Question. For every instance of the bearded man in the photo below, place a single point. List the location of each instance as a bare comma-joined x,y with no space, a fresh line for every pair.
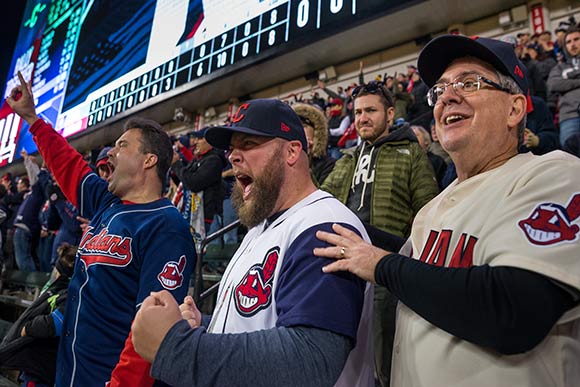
276,313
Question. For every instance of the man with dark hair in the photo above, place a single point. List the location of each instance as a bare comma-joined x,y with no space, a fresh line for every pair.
419,113
523,38
559,43
15,192
275,323
153,140
203,175
489,281
23,184
27,223
564,80
385,181
135,243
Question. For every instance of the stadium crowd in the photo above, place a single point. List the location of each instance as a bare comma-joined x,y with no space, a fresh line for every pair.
38,221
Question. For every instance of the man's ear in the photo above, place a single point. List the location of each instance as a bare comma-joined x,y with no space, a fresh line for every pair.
518,110
293,151
391,115
150,161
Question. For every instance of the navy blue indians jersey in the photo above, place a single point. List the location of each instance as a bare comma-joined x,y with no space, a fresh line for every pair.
127,251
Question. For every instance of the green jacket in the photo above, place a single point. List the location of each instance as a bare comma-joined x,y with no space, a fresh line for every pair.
404,181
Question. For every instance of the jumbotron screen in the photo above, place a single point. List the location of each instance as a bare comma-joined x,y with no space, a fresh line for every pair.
90,60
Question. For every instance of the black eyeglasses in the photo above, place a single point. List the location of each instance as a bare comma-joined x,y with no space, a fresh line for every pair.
372,88
467,85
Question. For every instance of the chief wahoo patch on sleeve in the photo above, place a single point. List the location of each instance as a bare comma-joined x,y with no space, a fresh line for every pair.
552,223
254,292
171,276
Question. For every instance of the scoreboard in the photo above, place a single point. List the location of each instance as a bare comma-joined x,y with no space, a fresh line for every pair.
90,60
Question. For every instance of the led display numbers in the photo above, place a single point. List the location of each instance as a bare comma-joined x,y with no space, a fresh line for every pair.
269,30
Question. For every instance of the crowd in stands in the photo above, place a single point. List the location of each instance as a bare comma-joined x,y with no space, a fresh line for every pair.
36,219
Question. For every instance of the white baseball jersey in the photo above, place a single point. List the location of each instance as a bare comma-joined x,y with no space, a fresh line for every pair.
523,214
275,280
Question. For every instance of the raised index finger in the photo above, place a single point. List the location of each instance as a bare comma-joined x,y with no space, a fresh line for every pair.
24,85
22,80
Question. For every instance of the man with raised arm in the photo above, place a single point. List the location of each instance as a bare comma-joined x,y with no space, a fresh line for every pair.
135,243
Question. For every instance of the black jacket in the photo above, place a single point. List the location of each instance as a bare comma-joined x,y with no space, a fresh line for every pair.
205,174
538,72
35,354
321,168
541,123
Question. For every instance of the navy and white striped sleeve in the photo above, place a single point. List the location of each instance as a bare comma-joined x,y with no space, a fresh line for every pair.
306,296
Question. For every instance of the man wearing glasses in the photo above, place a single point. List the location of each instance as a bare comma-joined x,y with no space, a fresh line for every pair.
490,296
385,181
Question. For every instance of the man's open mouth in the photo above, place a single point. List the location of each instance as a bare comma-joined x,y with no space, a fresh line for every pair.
111,170
246,182
453,118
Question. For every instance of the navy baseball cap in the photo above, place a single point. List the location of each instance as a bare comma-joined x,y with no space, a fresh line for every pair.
260,117
198,133
438,54
103,156
562,27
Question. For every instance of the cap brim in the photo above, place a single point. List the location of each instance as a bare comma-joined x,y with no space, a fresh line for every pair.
440,52
102,161
220,136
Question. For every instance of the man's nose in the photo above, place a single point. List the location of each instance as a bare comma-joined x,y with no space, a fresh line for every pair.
235,156
449,95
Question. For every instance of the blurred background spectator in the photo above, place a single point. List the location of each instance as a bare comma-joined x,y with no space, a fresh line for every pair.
564,81
540,135
316,128
437,162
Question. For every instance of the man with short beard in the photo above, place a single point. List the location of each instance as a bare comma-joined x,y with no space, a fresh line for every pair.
276,313
385,180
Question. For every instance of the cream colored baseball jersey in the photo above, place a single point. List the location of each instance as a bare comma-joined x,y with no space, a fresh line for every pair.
523,214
